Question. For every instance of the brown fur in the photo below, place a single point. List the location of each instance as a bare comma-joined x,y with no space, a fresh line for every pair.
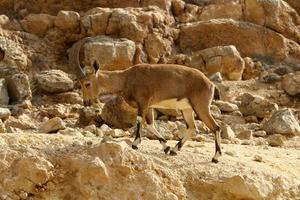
147,85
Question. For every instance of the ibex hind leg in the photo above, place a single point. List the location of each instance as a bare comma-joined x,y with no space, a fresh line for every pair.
152,129
188,116
201,107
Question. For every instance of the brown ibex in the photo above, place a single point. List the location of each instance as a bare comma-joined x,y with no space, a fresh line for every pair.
147,86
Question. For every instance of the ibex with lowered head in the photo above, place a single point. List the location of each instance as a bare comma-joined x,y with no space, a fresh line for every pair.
147,86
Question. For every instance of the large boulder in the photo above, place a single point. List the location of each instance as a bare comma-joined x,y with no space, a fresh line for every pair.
4,98
282,122
67,20
291,83
254,105
118,113
276,15
37,23
18,87
224,59
54,81
250,40
110,53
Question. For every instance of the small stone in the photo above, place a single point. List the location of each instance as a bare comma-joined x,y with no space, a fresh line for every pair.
275,140
91,128
4,98
2,127
227,132
116,133
226,106
245,135
216,77
251,119
260,134
257,158
52,125
4,113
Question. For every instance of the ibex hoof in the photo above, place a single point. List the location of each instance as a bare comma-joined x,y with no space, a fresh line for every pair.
214,160
173,153
134,147
167,149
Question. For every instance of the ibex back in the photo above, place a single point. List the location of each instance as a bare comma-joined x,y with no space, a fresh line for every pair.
148,86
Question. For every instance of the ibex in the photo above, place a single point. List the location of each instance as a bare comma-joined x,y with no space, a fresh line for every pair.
147,86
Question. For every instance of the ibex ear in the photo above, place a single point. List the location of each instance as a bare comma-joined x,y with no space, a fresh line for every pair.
2,54
96,66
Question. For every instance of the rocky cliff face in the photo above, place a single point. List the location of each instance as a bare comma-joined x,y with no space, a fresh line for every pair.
52,147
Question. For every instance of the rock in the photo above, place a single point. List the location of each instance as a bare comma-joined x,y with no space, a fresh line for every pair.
220,32
245,135
227,132
37,23
251,119
276,15
257,158
256,106
54,81
117,133
118,113
291,83
57,110
70,131
23,122
67,20
259,133
18,87
282,122
52,125
156,47
295,4
4,113
89,115
66,97
4,21
216,77
95,21
226,106
110,53
4,98
224,59
2,127
270,78
275,140
252,69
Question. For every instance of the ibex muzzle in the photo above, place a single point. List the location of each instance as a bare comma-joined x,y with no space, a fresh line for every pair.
149,86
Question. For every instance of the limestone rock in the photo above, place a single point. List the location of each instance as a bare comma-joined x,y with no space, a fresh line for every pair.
57,110
118,113
264,42
4,113
260,133
216,77
245,135
23,122
252,69
226,106
227,132
282,122
291,83
52,125
256,106
67,20
37,23
295,4
89,115
4,98
18,87
224,59
110,53
2,127
66,97
54,81
276,15
275,140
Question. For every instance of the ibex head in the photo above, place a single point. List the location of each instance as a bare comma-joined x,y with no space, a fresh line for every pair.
86,74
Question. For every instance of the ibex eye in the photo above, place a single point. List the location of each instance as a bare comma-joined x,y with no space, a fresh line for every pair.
87,85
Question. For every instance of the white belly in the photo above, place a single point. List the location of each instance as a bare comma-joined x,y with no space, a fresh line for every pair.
173,104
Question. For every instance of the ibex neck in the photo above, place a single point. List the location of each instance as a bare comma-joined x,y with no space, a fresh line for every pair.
114,81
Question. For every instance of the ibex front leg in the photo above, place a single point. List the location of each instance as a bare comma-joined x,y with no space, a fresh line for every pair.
188,116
